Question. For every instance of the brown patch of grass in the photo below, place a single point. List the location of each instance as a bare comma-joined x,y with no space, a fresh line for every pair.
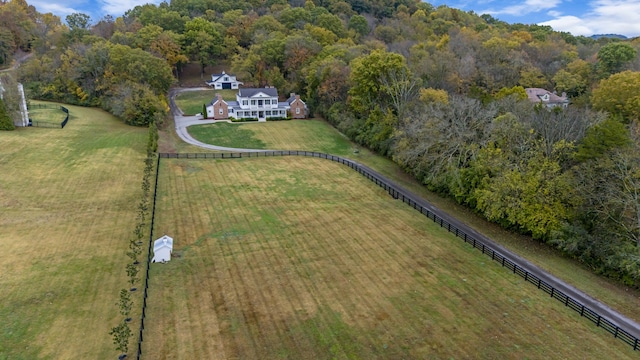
279,260
67,208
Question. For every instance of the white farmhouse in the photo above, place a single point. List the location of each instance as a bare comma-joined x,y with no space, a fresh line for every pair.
223,81
255,103
162,249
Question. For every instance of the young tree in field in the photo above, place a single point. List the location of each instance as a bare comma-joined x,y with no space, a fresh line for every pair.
121,334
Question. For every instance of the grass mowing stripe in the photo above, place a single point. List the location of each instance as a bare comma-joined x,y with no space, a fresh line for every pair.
281,326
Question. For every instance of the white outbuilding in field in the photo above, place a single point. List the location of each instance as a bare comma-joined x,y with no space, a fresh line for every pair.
162,249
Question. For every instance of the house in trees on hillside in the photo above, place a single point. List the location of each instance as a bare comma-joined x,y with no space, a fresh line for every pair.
547,98
223,81
257,103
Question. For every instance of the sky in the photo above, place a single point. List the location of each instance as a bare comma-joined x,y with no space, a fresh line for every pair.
578,17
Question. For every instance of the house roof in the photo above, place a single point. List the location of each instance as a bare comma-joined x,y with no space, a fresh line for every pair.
250,92
538,95
216,77
292,99
215,100
163,242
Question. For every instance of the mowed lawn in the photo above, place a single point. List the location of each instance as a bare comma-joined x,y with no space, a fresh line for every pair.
310,135
190,102
47,115
68,201
317,135
302,258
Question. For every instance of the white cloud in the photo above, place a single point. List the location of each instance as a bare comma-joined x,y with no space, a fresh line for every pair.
604,17
529,6
56,9
119,7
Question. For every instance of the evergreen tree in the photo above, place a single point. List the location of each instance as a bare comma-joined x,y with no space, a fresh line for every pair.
5,120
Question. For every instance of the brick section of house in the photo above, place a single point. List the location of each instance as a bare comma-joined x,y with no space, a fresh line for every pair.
297,107
220,108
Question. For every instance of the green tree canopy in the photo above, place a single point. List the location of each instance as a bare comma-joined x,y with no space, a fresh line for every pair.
619,95
5,120
613,56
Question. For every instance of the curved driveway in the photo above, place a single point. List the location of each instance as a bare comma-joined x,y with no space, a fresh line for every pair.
182,122
632,327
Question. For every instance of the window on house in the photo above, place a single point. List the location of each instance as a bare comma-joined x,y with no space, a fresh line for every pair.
253,102
268,113
254,113
245,102
297,111
220,111
259,102
274,102
226,78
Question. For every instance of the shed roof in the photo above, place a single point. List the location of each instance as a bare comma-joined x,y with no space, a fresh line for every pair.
164,241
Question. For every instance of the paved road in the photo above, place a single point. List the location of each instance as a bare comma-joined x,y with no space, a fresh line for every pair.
632,327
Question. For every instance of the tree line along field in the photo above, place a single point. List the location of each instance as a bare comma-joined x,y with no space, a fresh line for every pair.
303,258
67,209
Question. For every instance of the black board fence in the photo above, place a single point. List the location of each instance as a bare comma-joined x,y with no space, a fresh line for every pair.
425,209
145,294
48,124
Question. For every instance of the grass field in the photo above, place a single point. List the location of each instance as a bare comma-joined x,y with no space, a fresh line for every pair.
190,102
47,115
319,136
310,135
68,202
276,259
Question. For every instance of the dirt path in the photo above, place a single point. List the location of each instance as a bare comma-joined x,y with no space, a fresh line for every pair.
182,122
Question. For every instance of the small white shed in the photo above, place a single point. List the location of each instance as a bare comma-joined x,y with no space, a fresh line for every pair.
162,249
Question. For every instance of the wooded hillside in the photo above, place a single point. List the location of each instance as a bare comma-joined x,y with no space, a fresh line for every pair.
439,90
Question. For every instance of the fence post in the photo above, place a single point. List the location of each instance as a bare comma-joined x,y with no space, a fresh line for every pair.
552,291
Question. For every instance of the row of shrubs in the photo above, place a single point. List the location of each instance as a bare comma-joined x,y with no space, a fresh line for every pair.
256,119
121,333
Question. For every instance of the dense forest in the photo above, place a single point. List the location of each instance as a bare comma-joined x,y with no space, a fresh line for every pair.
438,90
